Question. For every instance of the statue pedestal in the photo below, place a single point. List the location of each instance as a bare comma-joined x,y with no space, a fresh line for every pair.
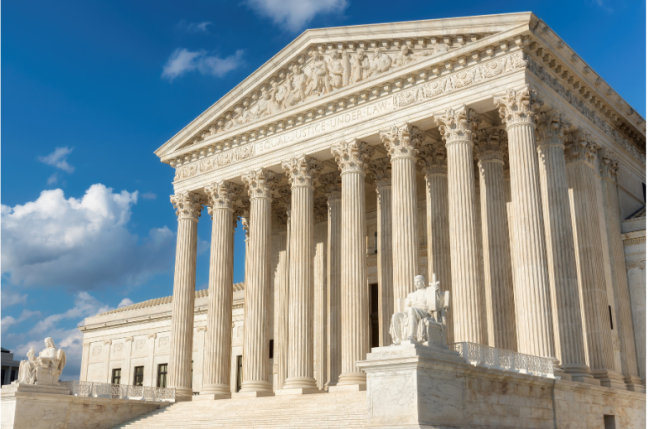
50,389
413,386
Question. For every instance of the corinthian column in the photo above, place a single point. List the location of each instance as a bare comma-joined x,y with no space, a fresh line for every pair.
381,170
532,292
301,171
258,283
500,300
281,347
402,145
552,129
433,160
188,209
216,375
609,172
332,186
580,158
456,128
352,158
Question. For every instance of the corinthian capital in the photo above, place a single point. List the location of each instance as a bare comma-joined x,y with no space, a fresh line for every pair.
552,128
433,158
518,106
491,144
222,195
402,141
301,170
608,164
381,169
260,183
352,156
457,125
331,184
581,149
188,205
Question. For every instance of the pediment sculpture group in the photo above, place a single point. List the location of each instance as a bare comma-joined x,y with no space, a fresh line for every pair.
423,318
44,369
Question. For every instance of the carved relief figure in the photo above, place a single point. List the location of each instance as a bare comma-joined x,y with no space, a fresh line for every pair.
298,82
381,62
319,82
424,314
360,66
336,70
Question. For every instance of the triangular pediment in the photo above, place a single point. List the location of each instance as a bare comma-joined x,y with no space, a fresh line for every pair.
324,62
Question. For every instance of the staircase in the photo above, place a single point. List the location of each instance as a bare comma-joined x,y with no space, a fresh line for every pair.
321,410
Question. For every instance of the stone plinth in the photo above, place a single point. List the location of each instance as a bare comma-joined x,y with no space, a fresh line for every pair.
415,386
45,407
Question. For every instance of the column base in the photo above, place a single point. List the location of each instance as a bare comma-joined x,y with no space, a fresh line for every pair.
210,397
215,389
183,394
635,384
580,374
352,378
609,378
300,383
256,386
298,391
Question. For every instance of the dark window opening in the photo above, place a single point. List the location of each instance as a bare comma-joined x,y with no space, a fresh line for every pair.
374,315
162,375
239,372
643,187
611,320
4,371
376,242
138,375
13,375
610,422
271,349
117,376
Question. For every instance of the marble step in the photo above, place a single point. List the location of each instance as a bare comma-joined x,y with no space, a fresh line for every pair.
324,410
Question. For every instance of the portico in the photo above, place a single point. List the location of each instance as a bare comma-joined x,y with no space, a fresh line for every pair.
479,151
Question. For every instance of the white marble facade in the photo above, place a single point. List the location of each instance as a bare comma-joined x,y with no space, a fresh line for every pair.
482,149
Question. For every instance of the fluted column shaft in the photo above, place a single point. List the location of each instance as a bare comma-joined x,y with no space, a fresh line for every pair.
218,341
402,145
188,210
381,168
352,158
258,283
531,285
609,171
433,160
580,155
281,346
563,277
456,128
500,301
301,171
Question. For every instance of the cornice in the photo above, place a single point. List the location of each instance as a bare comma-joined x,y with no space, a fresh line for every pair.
368,33
354,95
548,48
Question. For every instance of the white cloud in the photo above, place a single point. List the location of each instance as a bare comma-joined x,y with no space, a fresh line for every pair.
80,243
53,179
295,14
9,321
124,303
10,298
182,61
194,27
58,159
149,196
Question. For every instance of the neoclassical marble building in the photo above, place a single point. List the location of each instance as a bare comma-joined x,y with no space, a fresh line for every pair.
482,149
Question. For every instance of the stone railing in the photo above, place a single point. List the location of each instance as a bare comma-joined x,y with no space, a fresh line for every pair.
120,391
505,360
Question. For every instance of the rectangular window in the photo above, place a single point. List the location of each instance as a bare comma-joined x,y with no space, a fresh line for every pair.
13,375
374,315
611,320
117,376
239,372
610,421
162,375
271,349
4,371
138,375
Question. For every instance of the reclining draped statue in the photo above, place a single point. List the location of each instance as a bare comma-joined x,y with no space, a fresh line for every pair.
423,317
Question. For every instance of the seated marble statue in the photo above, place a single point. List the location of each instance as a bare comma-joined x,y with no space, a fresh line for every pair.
45,369
424,312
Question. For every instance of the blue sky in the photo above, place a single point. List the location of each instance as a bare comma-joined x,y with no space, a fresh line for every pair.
91,89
